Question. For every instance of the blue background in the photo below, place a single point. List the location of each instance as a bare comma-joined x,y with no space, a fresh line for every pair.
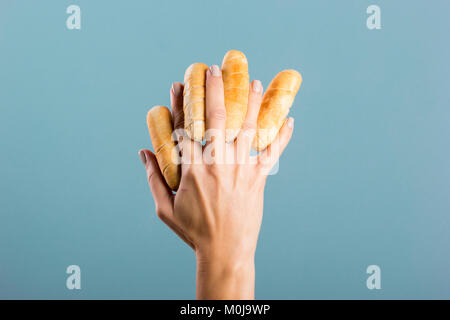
365,180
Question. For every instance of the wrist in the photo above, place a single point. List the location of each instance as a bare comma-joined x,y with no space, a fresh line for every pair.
223,276
225,266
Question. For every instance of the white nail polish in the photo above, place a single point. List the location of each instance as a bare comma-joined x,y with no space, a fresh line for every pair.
257,86
176,88
143,157
215,71
290,122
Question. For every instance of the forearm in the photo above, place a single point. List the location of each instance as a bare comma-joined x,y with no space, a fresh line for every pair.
219,277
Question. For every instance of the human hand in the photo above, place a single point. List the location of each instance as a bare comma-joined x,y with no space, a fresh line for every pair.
218,207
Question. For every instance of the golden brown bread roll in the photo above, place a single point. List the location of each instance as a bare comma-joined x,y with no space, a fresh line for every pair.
194,101
236,85
159,121
275,106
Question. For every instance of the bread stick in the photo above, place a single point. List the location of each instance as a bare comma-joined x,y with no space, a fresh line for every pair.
236,85
194,101
159,121
277,101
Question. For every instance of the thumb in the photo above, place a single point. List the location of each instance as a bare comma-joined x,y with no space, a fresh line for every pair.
162,194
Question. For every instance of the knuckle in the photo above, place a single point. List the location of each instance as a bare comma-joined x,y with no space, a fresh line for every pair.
178,119
150,176
215,82
160,212
248,126
214,173
190,172
218,114
256,96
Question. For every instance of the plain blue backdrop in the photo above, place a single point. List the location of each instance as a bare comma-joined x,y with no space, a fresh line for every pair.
365,179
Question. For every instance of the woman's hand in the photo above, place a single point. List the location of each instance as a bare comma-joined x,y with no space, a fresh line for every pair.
218,207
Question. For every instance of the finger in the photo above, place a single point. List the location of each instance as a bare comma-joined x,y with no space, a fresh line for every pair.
215,107
176,101
248,130
191,151
269,157
162,195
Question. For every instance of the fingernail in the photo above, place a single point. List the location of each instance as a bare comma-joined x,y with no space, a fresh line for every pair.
290,122
257,86
215,71
176,88
142,156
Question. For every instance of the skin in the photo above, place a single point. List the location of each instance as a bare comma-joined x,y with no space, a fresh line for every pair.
218,207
